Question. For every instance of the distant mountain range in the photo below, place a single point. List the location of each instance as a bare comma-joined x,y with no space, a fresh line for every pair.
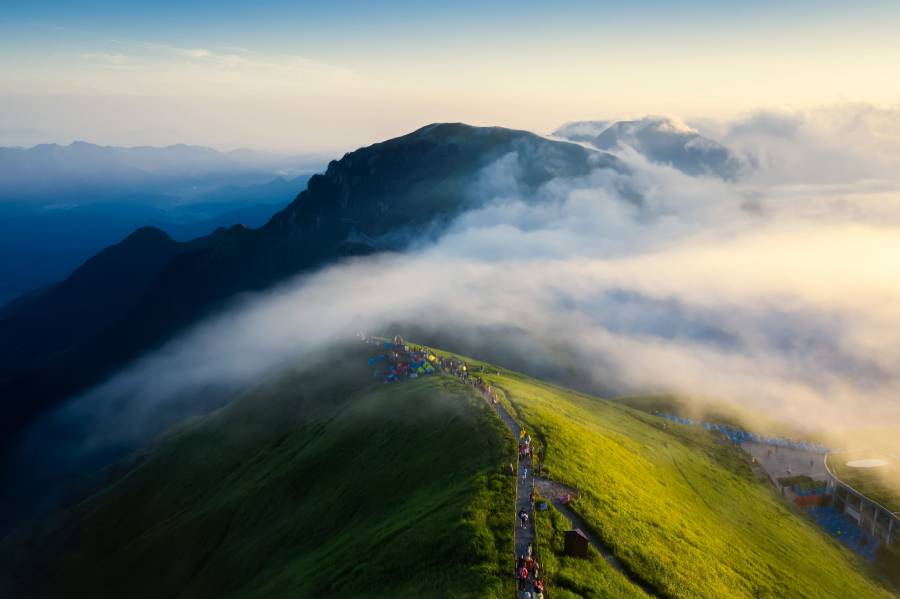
661,140
107,172
54,239
59,205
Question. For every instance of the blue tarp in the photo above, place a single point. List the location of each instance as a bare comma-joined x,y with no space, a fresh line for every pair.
845,530
738,436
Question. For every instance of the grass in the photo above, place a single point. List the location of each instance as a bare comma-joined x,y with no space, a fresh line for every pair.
887,560
311,487
678,507
571,577
328,485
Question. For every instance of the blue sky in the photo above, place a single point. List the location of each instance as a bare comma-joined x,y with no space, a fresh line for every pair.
308,75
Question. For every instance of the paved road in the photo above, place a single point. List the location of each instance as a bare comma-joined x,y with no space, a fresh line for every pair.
777,462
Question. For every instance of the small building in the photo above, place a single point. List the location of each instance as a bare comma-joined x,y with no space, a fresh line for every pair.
576,543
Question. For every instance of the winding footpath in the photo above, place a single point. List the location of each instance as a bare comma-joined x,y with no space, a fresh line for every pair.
525,480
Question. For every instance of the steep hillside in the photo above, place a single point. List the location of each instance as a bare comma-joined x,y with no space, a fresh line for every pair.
323,484
682,511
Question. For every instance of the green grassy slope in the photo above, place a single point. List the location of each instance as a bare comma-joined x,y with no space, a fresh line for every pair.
572,577
682,511
308,488
326,484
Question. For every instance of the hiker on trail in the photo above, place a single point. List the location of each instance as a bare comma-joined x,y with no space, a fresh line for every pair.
525,473
523,517
523,578
539,585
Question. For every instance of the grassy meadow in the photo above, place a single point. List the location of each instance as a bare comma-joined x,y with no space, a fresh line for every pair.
327,483
572,577
315,486
680,509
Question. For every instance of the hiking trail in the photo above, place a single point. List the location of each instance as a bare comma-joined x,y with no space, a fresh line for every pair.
554,491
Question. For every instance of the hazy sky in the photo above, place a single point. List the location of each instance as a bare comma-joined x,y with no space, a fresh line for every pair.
335,75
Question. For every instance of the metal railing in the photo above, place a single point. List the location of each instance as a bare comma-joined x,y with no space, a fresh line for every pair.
895,515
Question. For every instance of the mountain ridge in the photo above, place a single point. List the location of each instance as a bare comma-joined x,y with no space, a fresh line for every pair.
380,197
321,480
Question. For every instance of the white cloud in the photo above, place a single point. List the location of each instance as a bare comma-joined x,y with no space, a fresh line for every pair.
198,53
830,145
790,310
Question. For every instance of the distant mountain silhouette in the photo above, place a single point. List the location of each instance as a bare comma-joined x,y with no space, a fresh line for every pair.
661,140
136,294
54,238
75,170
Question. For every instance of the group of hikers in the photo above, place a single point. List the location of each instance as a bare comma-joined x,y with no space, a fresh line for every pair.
526,451
530,585
528,574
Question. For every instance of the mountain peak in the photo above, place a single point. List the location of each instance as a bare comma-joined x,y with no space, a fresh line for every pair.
661,139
